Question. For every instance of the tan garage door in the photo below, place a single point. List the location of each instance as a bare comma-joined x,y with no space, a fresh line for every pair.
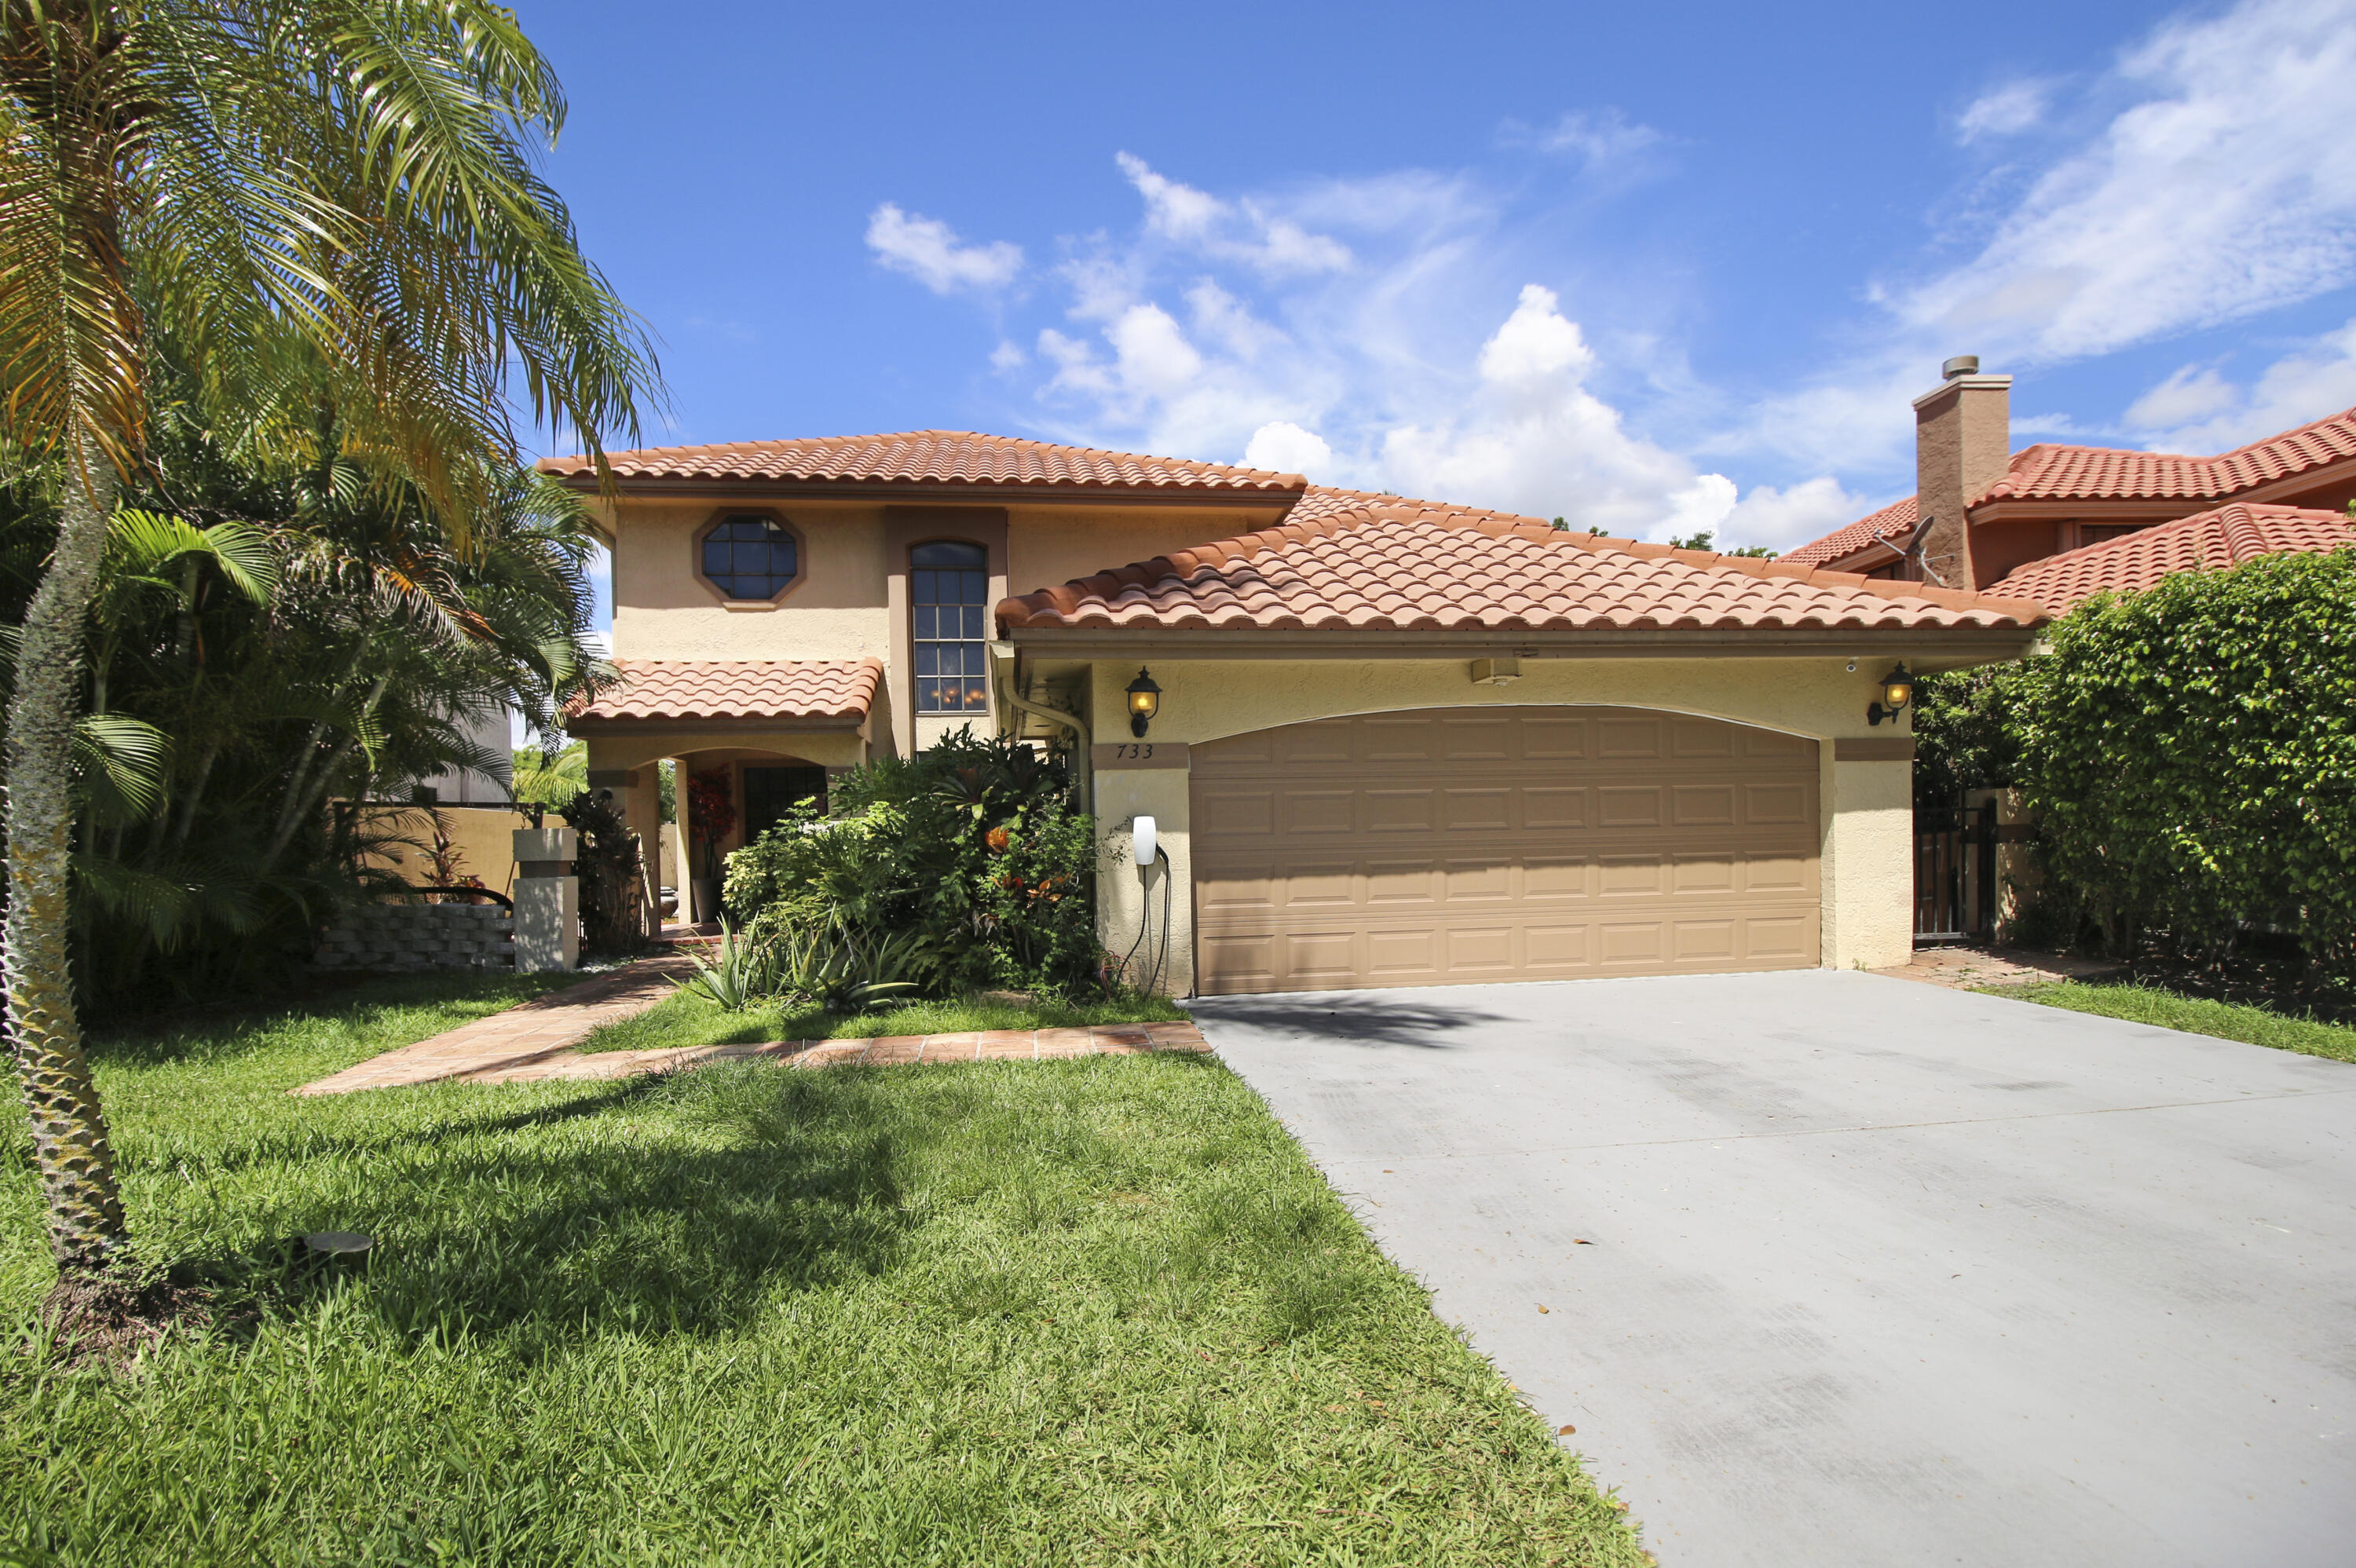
1450,846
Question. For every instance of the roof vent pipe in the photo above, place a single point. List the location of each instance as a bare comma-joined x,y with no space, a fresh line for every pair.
1961,364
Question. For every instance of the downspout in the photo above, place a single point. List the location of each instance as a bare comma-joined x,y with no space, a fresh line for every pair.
1085,772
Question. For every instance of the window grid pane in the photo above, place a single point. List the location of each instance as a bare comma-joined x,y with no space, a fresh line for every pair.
750,558
947,594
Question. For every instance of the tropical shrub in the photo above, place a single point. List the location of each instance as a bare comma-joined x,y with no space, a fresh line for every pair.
612,870
2190,753
972,847
282,638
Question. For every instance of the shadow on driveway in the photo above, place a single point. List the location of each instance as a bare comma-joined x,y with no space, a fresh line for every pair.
1347,1017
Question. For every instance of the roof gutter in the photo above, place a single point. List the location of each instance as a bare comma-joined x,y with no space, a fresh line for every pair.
1969,642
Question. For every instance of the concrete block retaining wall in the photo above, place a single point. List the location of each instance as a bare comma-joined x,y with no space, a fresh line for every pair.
406,936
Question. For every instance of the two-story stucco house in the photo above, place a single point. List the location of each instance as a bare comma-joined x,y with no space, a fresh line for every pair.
1397,742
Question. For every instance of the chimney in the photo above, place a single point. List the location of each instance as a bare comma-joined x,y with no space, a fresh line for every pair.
1962,442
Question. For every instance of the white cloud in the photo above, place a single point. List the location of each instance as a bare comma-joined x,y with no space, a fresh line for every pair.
1535,439
2198,410
2225,186
1284,447
928,250
2006,112
1225,320
1008,356
1603,137
2195,392
1784,518
2228,188
1373,377
1244,231
1155,358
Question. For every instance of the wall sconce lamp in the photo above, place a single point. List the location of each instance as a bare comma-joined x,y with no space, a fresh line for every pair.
1144,702
1897,693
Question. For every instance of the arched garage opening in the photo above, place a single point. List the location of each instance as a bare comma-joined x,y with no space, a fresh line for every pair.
1451,846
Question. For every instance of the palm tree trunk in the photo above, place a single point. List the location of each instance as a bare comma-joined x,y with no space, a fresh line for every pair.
301,803
179,835
69,1144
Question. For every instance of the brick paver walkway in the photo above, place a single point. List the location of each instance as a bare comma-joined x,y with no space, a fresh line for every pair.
1969,968
534,1040
526,1033
994,1045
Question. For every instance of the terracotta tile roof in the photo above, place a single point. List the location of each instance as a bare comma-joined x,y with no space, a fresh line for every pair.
1385,564
1894,523
2051,473
736,688
2208,542
926,456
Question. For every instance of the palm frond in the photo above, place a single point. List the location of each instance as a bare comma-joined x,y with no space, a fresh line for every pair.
120,766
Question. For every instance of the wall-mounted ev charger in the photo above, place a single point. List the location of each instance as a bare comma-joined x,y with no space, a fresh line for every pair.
1145,846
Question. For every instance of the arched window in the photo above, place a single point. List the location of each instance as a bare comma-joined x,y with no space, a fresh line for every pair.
949,582
749,556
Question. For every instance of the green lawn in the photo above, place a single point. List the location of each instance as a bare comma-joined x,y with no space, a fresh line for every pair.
2225,1021
687,1018
1087,1311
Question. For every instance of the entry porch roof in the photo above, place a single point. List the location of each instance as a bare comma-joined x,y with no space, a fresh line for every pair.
829,692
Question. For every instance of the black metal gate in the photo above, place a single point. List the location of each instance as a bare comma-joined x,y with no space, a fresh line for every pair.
1955,873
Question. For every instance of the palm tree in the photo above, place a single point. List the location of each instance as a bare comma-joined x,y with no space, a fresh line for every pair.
339,191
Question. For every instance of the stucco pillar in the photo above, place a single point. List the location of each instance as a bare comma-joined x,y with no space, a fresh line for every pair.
547,899
1869,864
1127,901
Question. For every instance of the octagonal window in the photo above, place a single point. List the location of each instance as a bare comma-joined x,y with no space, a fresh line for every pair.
750,557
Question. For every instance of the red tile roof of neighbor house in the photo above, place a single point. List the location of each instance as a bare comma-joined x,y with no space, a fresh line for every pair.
2206,542
2048,472
926,456
1364,563
2051,473
1892,524
736,688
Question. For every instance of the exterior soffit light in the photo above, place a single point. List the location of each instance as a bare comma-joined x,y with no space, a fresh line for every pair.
1897,695
1144,702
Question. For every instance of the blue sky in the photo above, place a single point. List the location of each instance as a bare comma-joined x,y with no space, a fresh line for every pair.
1655,268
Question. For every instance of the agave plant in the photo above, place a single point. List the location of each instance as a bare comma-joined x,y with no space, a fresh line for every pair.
744,972
834,968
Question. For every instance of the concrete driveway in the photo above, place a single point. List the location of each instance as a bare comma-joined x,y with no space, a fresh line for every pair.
1842,1269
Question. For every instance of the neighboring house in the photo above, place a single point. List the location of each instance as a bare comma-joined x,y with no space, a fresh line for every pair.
489,734
1398,742
2055,523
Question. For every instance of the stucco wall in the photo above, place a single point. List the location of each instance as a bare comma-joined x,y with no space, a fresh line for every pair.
1046,546
664,610
843,608
1865,844
479,835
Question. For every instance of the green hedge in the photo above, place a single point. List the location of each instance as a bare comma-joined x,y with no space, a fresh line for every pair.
973,845
2190,753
